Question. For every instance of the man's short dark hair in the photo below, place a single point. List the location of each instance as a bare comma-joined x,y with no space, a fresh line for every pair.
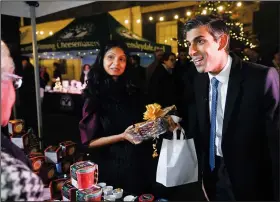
166,56
216,26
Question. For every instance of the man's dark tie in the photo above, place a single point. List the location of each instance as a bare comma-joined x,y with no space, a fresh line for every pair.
215,84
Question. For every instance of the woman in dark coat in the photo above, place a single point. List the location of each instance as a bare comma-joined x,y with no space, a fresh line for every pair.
113,103
44,77
84,74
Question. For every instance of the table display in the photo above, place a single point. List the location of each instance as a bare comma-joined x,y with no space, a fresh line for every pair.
75,87
68,176
62,103
61,115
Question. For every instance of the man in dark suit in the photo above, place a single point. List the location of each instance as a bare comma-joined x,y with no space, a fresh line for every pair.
151,68
234,115
137,71
162,88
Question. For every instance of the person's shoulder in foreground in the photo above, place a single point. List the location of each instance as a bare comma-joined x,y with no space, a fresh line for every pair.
18,182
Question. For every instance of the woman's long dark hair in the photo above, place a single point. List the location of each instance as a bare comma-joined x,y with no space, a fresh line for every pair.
97,75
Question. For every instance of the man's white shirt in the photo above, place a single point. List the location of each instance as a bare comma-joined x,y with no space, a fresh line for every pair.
223,78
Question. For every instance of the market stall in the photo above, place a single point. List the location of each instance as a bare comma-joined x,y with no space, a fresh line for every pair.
77,41
86,33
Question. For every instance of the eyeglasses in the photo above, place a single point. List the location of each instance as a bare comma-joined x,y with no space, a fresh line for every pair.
17,80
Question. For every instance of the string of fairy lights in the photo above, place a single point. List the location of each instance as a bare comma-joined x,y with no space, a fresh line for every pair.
229,11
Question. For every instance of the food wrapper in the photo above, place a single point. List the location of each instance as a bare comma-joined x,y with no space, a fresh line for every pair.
158,121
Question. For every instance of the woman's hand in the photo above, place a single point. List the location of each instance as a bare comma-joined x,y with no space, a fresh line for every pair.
128,137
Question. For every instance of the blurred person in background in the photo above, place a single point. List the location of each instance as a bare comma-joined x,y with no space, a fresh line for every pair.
18,182
162,89
44,77
182,59
27,92
151,68
84,75
184,67
137,71
253,55
56,73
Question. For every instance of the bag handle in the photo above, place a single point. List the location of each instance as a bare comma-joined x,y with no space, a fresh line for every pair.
182,133
176,120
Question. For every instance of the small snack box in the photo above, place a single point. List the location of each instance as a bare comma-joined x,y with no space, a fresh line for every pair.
68,191
92,194
68,148
21,140
32,149
16,126
84,174
33,143
37,160
47,172
64,166
26,141
53,154
56,187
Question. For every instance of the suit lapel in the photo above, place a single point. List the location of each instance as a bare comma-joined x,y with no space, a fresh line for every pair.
202,98
234,87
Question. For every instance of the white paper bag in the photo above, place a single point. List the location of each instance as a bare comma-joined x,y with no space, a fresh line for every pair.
177,163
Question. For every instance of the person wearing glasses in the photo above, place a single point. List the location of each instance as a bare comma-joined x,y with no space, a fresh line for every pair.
18,182
27,95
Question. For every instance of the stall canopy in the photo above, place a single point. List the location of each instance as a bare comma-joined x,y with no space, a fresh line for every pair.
86,33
